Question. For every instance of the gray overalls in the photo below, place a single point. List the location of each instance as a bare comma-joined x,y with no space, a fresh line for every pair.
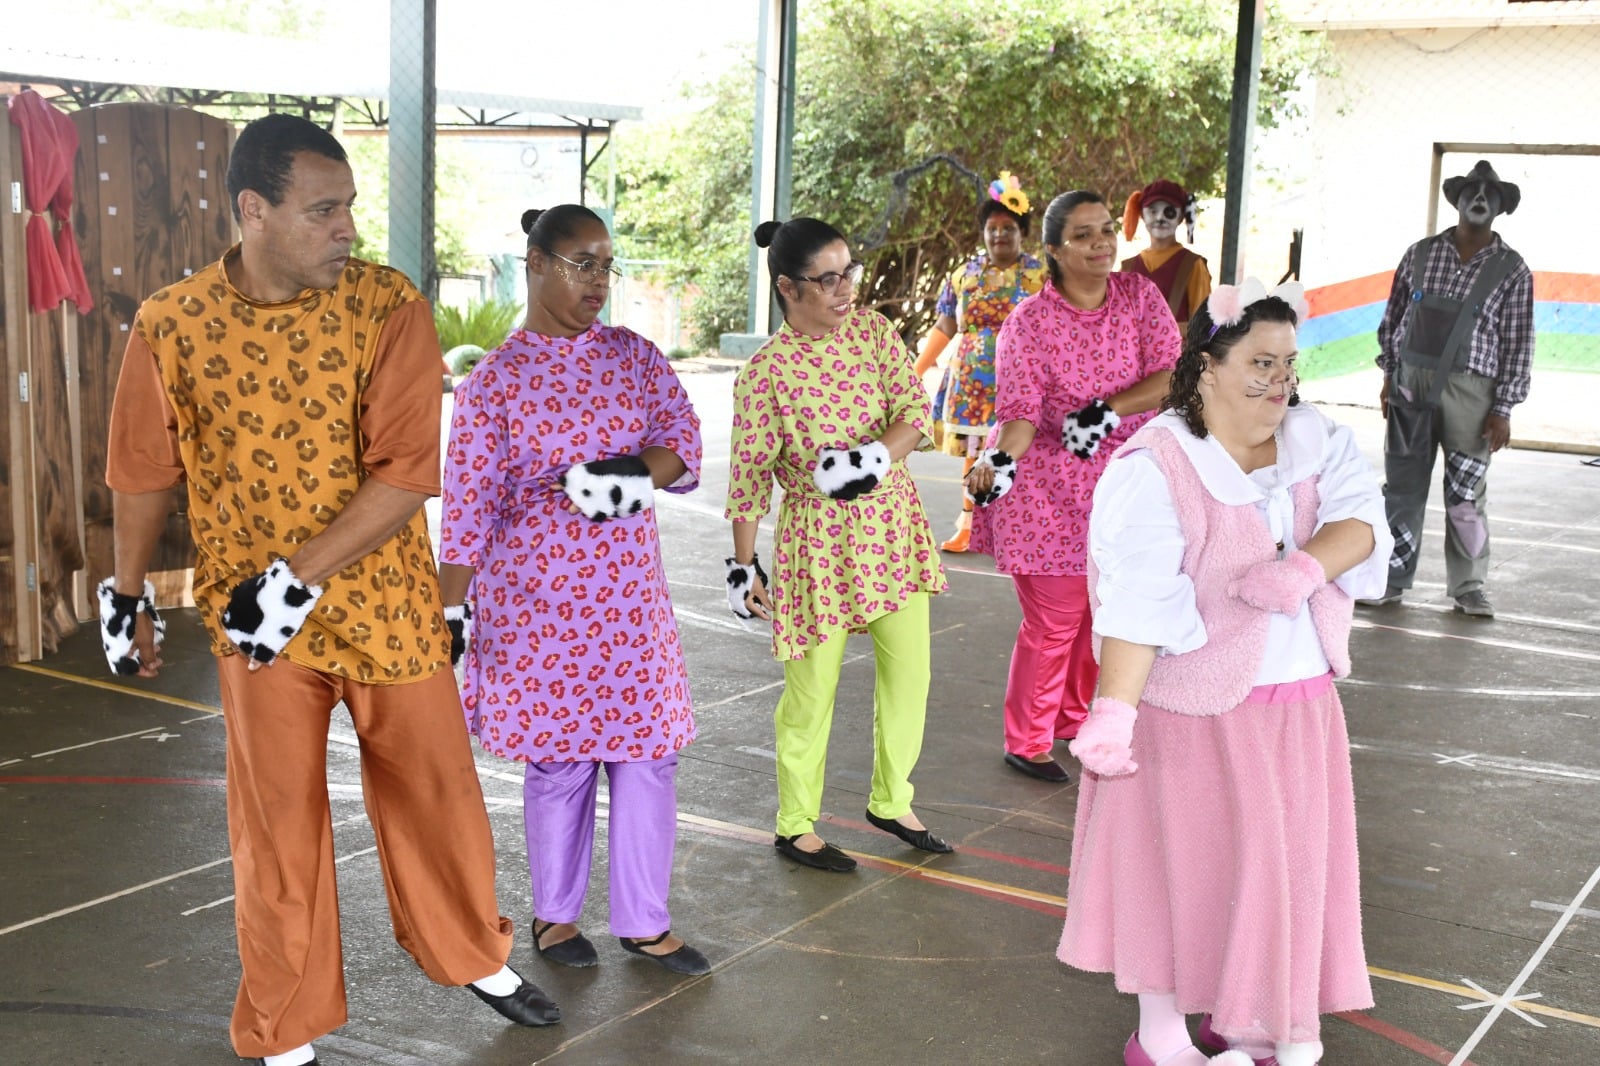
1433,404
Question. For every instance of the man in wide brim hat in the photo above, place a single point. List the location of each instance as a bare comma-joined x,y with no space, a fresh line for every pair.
1483,173
1452,389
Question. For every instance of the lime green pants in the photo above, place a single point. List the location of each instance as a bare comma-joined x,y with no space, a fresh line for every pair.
899,707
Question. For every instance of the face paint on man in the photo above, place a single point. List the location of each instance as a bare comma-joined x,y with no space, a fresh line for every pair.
1161,219
1479,203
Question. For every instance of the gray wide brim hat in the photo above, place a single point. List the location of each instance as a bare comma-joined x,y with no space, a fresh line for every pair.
1510,195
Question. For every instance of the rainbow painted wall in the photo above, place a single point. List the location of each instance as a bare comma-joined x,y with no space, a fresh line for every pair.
1341,334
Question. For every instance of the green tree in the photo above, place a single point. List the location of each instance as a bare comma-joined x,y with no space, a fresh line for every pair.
1068,95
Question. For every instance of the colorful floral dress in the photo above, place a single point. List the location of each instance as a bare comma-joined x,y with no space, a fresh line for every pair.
836,564
979,299
1055,359
575,653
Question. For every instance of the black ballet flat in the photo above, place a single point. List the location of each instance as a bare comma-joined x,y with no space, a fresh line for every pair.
826,857
526,1004
686,960
577,952
922,839
1044,771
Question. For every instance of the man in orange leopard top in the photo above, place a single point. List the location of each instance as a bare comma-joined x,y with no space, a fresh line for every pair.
295,389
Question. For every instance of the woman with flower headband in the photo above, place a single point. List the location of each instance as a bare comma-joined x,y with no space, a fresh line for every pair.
1081,365
1214,856
829,409
974,304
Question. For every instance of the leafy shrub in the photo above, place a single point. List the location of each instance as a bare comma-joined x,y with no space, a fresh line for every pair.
485,323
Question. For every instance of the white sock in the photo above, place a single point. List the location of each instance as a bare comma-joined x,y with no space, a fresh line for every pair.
1163,1032
1305,1054
502,983
298,1057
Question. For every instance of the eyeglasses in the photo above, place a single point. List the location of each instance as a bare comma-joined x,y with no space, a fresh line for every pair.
590,269
835,280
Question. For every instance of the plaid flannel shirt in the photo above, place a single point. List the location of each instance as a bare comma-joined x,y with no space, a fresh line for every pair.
1502,341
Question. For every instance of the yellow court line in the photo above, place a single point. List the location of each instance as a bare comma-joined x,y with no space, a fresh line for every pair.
176,701
1529,1006
923,871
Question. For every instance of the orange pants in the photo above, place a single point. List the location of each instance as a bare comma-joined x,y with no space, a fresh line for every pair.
426,807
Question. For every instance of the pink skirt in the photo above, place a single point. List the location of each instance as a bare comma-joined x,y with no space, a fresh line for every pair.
1224,869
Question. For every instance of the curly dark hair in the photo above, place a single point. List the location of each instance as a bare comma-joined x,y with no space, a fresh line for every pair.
1183,394
995,207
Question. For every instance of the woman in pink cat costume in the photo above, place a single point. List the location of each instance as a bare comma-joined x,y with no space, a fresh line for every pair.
1214,856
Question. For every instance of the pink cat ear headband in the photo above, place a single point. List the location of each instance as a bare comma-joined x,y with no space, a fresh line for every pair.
1227,303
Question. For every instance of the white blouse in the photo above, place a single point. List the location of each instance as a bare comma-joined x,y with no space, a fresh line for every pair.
1137,543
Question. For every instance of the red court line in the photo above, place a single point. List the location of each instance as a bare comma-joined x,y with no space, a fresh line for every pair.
1409,1041
209,782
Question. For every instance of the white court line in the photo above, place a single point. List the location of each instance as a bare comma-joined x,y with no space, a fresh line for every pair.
1435,509
115,895
1510,996
1469,690
1487,642
1542,621
229,899
1499,764
92,743
1581,912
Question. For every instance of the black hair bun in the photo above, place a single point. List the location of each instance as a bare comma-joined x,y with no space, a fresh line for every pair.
765,232
529,217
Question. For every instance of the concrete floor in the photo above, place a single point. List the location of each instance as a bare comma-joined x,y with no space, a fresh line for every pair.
1477,773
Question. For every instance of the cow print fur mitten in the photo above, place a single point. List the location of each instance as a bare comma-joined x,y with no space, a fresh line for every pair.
459,619
741,580
1005,475
1083,430
266,611
844,475
610,488
119,614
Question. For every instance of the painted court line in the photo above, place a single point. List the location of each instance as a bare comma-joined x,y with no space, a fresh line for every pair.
94,682
114,895
1486,642
1510,995
92,743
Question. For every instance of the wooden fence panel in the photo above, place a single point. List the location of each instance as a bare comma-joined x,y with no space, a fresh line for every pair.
161,186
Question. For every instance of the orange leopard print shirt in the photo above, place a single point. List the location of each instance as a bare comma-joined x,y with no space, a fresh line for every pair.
275,414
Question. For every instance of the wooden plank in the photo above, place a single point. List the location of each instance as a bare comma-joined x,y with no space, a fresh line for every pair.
90,343
21,620
184,192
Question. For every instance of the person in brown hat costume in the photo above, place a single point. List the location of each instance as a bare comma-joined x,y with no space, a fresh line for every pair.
1456,350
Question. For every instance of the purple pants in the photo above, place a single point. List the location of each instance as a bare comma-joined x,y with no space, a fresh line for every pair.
558,810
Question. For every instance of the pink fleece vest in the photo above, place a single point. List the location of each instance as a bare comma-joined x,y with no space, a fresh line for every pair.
1222,542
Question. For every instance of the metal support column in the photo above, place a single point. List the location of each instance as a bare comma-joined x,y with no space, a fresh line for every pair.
412,106
774,143
1241,135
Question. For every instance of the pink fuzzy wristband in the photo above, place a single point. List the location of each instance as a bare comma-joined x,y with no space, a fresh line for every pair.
1103,743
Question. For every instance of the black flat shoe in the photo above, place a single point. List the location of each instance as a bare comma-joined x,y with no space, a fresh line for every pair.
525,1005
826,857
686,960
577,952
917,838
262,1062
1045,771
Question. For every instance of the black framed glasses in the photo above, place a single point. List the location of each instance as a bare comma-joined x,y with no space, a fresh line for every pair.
590,269
834,280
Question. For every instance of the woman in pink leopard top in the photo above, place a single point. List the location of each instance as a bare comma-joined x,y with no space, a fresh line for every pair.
1081,365
559,440
827,410
1214,856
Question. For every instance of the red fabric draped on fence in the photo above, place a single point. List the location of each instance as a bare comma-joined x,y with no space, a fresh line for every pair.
49,151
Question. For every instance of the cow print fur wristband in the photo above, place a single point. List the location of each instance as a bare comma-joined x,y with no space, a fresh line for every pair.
119,614
266,611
